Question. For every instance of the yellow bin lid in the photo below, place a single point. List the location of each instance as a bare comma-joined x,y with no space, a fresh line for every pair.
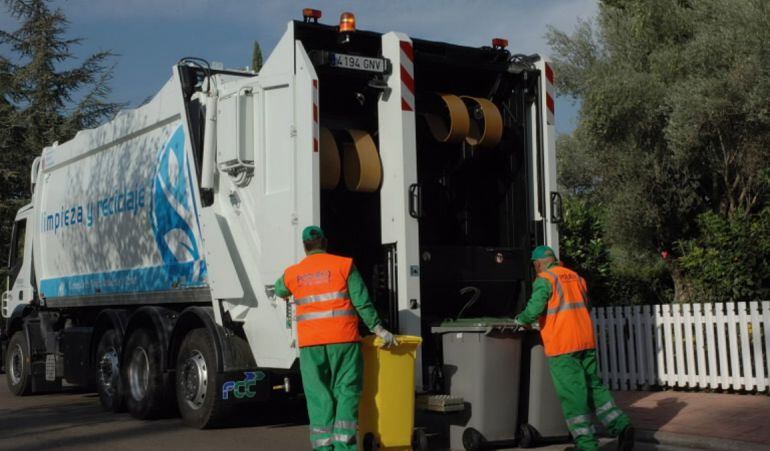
373,340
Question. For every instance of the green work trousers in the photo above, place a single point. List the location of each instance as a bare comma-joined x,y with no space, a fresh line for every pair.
333,378
582,393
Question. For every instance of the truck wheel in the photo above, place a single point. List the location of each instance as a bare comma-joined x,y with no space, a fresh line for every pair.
18,372
142,376
107,366
196,391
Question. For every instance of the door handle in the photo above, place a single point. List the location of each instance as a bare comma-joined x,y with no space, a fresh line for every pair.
557,208
415,201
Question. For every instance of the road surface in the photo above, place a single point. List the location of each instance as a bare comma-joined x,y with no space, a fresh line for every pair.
75,421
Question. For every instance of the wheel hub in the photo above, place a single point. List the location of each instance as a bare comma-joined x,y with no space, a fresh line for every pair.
17,364
195,379
108,371
139,373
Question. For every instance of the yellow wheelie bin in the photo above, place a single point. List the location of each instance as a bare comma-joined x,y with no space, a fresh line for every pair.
386,413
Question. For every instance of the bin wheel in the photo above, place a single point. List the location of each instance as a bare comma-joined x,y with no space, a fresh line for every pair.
370,443
473,440
529,436
420,440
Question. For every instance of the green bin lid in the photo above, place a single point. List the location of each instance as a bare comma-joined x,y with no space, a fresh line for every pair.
481,324
484,321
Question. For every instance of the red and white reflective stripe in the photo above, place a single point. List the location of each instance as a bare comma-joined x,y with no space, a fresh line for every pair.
550,94
407,76
315,116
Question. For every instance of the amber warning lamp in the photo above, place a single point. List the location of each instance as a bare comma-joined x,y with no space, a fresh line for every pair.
499,43
347,22
310,13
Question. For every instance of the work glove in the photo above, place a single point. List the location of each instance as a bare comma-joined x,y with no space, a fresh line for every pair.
519,325
386,336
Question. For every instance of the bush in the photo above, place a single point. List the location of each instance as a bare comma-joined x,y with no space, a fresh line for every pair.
729,258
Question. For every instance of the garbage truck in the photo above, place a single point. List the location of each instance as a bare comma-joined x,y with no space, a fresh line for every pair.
144,265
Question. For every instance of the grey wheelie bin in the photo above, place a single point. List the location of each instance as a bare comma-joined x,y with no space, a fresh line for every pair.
502,375
482,364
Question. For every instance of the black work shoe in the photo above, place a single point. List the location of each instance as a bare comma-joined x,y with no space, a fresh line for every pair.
626,439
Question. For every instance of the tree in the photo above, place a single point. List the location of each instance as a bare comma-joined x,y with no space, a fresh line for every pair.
40,102
674,114
256,57
731,257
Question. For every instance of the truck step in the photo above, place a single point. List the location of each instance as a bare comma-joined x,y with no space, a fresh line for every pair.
440,403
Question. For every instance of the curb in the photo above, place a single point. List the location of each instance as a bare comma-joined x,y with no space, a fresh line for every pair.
696,441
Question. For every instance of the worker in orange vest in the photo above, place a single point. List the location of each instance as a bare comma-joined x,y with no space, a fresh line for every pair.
560,303
330,294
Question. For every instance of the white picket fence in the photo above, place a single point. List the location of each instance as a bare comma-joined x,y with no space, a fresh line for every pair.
715,346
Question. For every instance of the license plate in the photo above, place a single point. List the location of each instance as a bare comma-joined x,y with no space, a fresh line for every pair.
358,62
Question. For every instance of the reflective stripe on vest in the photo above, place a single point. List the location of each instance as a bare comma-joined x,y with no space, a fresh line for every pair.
322,297
571,305
326,314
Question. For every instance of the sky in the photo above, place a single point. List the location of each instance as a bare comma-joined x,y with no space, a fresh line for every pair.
150,36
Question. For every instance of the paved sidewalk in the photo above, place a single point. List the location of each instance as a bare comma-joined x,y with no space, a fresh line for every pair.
743,418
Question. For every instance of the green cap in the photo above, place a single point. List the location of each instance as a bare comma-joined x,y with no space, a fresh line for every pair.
312,233
541,252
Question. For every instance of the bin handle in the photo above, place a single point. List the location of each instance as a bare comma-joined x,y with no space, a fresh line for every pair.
476,293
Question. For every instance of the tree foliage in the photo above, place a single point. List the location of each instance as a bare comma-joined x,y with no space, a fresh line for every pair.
730,260
675,116
44,97
256,57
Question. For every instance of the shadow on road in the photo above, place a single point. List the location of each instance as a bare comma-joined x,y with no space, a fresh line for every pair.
664,411
76,420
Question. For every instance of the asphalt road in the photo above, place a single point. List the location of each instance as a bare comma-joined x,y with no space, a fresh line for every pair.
75,420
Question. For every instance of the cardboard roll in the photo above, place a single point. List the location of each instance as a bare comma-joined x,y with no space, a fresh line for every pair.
361,163
330,164
486,128
447,117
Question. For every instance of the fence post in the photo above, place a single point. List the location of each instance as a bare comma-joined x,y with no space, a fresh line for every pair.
671,378
699,345
711,350
630,345
689,347
649,344
756,335
641,351
749,383
620,328
679,371
735,362
724,370
658,330
612,348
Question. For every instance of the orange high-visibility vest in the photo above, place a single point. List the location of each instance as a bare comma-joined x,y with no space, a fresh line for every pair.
567,326
325,314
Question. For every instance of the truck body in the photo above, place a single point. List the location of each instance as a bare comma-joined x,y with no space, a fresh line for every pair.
145,263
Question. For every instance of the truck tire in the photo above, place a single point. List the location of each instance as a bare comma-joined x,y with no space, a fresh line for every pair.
142,376
196,391
18,365
107,368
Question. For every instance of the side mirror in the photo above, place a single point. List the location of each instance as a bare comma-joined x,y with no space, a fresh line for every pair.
33,173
